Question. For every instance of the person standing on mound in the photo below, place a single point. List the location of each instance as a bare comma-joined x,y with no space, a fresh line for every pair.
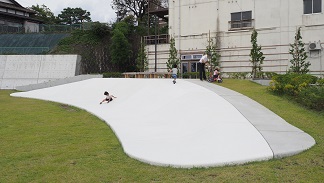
174,73
108,98
201,67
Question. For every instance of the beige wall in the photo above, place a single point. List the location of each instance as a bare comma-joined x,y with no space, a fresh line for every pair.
276,21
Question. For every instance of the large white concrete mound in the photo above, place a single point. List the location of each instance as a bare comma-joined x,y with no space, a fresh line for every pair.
161,123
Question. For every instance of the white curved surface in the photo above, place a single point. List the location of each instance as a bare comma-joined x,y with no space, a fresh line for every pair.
181,125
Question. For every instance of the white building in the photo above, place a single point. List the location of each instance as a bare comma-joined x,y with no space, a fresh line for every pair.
231,22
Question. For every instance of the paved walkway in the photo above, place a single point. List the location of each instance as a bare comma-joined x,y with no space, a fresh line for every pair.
189,124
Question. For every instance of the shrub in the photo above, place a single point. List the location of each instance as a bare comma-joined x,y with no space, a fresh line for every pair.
299,87
320,82
312,97
291,83
190,75
239,75
113,75
269,75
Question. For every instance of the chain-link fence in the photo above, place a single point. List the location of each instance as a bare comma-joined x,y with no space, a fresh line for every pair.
23,50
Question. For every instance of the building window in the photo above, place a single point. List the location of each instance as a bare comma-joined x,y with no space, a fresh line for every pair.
20,13
312,6
241,20
11,11
194,67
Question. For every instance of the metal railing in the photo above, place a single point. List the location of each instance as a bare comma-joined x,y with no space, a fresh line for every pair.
11,29
244,24
43,28
161,39
59,28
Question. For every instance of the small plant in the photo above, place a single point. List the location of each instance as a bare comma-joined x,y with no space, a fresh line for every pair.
239,75
190,75
173,55
299,56
256,56
214,55
141,60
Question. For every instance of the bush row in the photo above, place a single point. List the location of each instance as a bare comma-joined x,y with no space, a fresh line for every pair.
305,89
245,75
190,75
113,75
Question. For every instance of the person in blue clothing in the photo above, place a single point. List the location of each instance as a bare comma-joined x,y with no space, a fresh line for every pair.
174,73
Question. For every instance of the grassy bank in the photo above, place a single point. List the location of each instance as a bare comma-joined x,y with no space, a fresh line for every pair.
48,142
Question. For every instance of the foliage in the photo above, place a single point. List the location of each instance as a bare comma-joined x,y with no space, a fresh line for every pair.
141,60
238,75
301,88
291,83
212,52
138,8
100,30
312,97
44,14
320,82
256,55
126,7
113,75
190,75
120,48
299,56
173,56
74,16
92,45
96,50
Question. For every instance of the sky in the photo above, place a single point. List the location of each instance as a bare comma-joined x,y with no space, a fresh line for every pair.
100,10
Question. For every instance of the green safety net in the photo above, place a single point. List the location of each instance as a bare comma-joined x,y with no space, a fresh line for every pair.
28,44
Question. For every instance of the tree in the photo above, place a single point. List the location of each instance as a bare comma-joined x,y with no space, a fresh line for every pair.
214,56
299,56
256,55
173,55
120,48
93,45
141,60
137,8
125,7
74,16
44,14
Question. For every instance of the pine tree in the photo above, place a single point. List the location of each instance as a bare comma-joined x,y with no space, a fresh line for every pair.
256,55
299,56
173,53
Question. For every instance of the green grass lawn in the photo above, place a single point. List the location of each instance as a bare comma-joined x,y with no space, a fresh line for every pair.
49,142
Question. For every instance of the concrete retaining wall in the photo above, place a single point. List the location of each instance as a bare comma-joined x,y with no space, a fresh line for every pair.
56,82
21,70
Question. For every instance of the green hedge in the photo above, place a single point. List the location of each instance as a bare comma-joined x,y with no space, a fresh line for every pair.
305,89
113,75
291,83
190,75
312,97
